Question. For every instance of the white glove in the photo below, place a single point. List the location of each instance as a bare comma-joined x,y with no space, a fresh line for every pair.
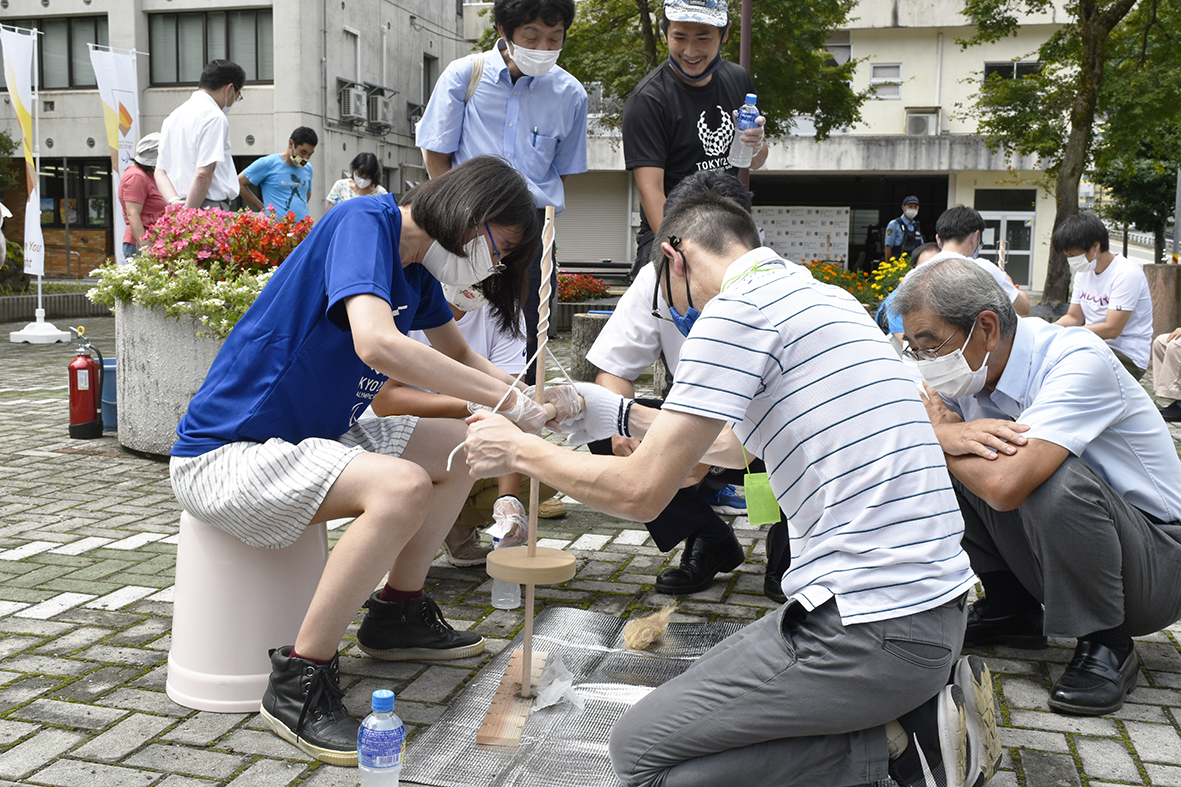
603,415
510,522
520,409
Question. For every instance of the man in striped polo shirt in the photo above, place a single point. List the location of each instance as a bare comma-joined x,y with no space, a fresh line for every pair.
1065,473
823,690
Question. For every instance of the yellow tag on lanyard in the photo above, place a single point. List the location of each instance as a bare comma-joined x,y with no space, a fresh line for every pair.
762,508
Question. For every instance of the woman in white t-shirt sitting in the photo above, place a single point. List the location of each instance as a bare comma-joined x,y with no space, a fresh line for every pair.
364,182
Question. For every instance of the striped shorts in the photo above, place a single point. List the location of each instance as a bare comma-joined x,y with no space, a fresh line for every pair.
265,494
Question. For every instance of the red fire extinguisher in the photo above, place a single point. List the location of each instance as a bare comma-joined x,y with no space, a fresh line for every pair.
86,385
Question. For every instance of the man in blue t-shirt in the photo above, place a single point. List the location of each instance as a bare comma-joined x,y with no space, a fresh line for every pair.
284,178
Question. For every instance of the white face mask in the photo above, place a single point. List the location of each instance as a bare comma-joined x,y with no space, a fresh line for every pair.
533,62
1081,264
466,299
362,183
459,271
951,375
910,213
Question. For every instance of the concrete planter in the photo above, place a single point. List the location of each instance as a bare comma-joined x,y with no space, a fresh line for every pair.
562,318
162,363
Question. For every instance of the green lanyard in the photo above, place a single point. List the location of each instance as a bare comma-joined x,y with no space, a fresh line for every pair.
761,506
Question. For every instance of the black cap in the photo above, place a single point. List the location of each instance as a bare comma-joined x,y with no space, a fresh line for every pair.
911,199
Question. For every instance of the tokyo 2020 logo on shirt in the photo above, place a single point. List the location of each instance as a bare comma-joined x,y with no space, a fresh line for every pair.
715,141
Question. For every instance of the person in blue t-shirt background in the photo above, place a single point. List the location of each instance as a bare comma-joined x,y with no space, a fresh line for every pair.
272,441
284,178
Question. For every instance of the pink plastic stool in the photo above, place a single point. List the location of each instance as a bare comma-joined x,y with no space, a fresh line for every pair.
232,603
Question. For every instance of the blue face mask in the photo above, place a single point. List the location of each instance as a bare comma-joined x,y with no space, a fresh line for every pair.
684,322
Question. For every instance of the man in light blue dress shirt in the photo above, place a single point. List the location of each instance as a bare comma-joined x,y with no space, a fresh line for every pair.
1067,480
524,108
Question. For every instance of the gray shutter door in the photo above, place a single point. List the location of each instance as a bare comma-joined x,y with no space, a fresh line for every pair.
594,226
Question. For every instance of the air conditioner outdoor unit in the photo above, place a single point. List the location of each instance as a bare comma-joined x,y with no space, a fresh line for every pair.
381,110
922,124
352,105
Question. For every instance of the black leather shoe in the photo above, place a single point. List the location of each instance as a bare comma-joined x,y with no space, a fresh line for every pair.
1020,630
414,629
773,589
778,562
302,704
1171,413
699,563
1095,682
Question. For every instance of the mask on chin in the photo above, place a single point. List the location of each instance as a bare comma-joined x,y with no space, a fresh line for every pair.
951,375
533,62
458,271
714,65
466,299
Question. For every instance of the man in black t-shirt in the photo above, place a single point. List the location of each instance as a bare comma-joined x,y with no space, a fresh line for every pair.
680,118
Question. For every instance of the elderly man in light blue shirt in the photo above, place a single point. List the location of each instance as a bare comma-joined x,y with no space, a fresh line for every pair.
521,106
1066,475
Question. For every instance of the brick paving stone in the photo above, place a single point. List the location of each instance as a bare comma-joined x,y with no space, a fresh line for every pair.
184,781
434,685
1107,759
124,738
268,773
264,744
121,597
1049,770
1155,742
1163,775
146,701
97,683
13,731
45,665
117,655
73,773
192,762
1035,739
205,727
35,752
331,776
68,714
54,606
1085,725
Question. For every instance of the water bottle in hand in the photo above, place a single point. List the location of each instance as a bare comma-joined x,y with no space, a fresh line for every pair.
505,594
740,152
380,743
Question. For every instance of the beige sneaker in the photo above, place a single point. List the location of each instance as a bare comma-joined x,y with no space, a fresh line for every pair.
551,509
462,547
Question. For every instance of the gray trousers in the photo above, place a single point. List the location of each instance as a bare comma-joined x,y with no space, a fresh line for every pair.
1092,558
794,698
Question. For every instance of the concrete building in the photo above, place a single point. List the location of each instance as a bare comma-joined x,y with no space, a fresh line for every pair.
357,72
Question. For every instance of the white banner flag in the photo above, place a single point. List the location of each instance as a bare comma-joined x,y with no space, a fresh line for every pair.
18,70
119,91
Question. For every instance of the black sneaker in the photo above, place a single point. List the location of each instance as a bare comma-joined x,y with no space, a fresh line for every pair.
303,705
414,629
937,752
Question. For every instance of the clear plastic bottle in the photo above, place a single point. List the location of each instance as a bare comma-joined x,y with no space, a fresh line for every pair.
380,743
505,595
740,153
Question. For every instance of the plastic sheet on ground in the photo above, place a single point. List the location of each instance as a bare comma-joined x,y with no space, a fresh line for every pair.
560,746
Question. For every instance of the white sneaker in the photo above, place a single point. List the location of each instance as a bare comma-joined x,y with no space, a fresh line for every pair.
971,675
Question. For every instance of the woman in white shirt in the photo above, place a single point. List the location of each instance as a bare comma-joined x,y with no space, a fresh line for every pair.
363,183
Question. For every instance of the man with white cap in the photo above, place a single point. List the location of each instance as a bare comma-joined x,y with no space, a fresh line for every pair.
680,117
141,199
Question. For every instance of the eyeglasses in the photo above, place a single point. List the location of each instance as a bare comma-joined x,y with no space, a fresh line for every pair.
237,96
499,266
926,355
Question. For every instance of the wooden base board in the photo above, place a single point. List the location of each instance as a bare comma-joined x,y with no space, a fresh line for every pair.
506,715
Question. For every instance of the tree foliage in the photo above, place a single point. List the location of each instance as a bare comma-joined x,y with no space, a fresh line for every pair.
1052,114
617,42
1139,147
9,175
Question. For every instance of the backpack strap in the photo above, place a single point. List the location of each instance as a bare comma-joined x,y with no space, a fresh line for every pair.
474,81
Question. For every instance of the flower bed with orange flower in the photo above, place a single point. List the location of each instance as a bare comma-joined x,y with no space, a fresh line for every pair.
868,288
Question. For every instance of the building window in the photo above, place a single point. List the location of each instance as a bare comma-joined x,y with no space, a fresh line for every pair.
181,44
1012,69
430,75
886,80
64,50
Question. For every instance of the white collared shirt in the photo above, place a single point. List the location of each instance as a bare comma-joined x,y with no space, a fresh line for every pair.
197,134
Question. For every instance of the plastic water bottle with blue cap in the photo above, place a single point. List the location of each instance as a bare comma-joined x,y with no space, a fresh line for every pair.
380,743
748,115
